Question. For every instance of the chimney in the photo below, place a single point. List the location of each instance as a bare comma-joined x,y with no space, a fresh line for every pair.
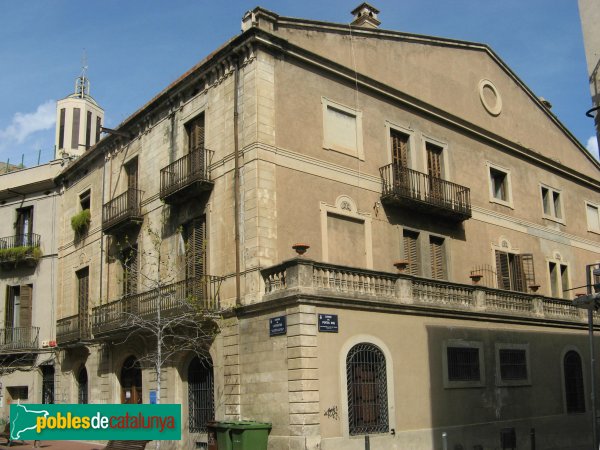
365,15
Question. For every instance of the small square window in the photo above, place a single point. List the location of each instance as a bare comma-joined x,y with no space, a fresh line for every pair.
593,217
463,364
552,204
512,365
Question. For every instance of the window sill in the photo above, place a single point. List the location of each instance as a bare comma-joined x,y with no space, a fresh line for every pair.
345,151
554,219
502,202
513,383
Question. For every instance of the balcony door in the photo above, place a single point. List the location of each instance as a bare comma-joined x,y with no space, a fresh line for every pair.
24,226
196,133
434,170
195,258
131,382
83,295
400,149
131,169
17,316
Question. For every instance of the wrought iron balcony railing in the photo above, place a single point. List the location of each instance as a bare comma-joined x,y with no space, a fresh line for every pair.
122,210
187,176
192,296
361,285
19,339
423,192
73,329
19,248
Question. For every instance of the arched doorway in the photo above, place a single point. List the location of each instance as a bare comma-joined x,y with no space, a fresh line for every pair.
131,381
82,386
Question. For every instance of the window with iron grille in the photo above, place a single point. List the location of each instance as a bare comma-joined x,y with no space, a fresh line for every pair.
367,390
201,404
574,389
463,364
513,364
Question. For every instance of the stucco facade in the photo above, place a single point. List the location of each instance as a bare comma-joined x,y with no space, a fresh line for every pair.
445,207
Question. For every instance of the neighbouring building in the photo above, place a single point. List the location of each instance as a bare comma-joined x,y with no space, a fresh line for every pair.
29,203
589,13
391,227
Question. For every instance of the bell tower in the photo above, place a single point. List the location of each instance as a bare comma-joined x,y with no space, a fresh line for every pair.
78,119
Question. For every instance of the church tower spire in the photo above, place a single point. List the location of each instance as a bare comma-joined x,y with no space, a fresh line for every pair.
78,118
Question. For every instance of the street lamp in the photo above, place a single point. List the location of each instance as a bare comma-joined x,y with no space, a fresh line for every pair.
591,302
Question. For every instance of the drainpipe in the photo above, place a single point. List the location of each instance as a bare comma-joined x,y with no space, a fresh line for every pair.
101,232
236,183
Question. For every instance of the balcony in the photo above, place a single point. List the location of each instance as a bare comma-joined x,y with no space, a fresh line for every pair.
19,339
393,292
72,329
20,249
187,296
122,211
186,177
424,193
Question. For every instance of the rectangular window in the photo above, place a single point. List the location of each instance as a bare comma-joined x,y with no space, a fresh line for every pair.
88,130
342,129
24,226
400,148
551,203
593,217
463,364
17,311
75,130
411,251
85,200
437,258
514,272
18,393
499,181
559,280
61,129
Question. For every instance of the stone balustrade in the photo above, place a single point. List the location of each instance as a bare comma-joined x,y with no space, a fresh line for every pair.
308,277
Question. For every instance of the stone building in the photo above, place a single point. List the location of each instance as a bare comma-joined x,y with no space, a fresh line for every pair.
29,203
448,217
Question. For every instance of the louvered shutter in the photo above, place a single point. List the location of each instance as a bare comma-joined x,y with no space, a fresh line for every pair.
410,251
502,270
25,312
130,270
517,275
437,258
9,310
195,257
399,149
83,278
196,144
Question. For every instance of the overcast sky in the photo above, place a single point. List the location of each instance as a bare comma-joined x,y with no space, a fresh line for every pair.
135,48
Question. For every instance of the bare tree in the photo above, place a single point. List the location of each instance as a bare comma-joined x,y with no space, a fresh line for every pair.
174,314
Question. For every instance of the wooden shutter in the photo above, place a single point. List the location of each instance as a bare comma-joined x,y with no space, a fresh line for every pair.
195,251
502,270
411,253
130,270
196,134
25,314
434,160
132,174
75,129
83,295
436,249
517,274
399,149
9,310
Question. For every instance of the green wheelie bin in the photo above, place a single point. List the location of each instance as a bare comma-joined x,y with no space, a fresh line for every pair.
239,435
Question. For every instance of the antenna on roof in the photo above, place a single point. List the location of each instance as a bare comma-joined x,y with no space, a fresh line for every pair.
82,84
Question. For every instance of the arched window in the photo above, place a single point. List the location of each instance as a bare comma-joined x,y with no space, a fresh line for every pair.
82,386
367,390
201,404
574,391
